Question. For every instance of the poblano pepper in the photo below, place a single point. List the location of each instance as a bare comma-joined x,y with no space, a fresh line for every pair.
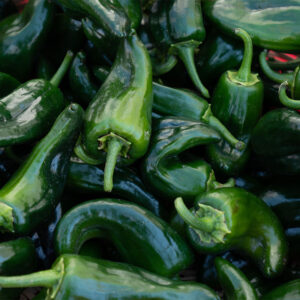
35,188
221,221
168,170
30,110
177,26
118,120
79,277
22,36
7,84
237,103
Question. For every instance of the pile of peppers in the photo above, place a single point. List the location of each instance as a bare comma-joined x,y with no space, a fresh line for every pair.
149,150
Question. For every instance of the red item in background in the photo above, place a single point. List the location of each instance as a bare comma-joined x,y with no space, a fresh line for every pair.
20,4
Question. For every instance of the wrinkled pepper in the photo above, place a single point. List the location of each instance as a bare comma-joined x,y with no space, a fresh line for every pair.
221,221
28,197
141,238
85,278
237,103
118,120
22,36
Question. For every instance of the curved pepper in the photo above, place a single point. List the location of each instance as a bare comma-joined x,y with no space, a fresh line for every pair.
177,26
77,277
7,84
271,24
80,80
118,120
167,171
22,37
237,103
141,238
184,103
221,221
289,291
89,179
35,188
29,111
234,282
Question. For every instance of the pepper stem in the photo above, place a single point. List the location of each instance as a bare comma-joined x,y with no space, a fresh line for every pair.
48,279
208,222
244,73
6,218
271,74
60,73
185,51
223,131
285,99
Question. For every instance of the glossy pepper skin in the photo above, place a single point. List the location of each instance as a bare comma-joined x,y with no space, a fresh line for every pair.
118,120
275,141
234,282
289,291
22,37
237,103
77,277
7,84
165,168
184,103
29,111
141,238
257,19
88,179
177,26
37,185
258,235
17,257
81,81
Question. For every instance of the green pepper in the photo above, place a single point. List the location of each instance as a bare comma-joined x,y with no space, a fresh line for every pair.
237,103
184,103
7,84
167,170
288,291
22,36
141,238
177,27
88,179
118,120
234,282
271,24
17,257
275,141
35,188
80,80
85,278
221,221
30,110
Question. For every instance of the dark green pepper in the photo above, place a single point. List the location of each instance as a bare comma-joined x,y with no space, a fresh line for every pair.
118,120
177,26
271,24
7,84
80,80
141,238
234,282
88,179
29,111
288,291
221,221
237,103
76,277
35,188
165,168
22,37
184,103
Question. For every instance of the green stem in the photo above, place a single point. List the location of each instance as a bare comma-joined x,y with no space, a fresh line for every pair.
114,147
275,76
60,73
244,73
48,279
80,153
285,99
185,51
